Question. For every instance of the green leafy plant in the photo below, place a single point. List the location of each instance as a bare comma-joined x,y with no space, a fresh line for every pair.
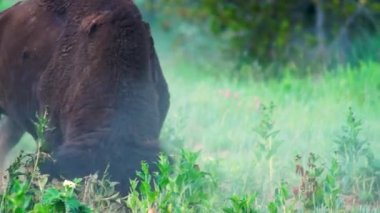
178,188
16,196
268,143
27,190
61,200
282,194
319,186
23,174
244,204
360,170
351,150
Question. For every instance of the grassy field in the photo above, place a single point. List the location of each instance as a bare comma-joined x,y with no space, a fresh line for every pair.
219,117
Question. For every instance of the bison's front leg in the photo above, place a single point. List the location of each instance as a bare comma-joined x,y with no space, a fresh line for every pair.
10,134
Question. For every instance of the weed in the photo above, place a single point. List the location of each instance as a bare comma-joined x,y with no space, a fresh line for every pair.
61,200
350,150
268,143
244,204
282,194
183,187
99,193
319,186
27,190
360,171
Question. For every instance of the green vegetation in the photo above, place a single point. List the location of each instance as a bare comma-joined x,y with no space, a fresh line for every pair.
239,143
5,4
307,33
246,150
222,117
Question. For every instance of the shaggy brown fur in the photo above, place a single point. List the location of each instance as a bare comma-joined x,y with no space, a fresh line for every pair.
93,67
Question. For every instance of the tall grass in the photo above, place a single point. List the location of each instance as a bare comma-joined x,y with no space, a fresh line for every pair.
218,115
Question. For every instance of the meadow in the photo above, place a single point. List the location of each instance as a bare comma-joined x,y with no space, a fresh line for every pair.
221,118
249,132
253,140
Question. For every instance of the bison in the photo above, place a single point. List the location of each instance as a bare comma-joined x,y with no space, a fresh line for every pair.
92,66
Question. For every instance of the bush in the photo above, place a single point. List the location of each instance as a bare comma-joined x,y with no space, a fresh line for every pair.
311,34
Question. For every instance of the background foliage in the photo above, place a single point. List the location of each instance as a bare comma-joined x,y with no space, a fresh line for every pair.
306,33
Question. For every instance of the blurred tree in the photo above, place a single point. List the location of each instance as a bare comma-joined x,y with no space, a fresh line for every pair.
301,31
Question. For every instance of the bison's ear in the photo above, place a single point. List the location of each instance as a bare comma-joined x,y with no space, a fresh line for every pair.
91,23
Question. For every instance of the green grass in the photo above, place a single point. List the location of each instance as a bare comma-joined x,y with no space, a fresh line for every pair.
6,3
217,116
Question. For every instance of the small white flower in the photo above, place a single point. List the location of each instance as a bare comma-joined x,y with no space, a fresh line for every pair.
69,184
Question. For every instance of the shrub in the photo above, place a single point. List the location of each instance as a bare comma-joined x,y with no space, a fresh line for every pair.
183,187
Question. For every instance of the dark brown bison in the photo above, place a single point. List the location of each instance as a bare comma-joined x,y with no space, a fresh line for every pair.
92,66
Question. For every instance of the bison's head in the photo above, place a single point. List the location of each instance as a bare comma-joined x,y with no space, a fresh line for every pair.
113,97
115,76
